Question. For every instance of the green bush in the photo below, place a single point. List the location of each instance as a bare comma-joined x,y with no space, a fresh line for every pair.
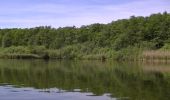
16,50
166,47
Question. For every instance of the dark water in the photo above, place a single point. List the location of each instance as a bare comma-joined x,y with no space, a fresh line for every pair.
83,80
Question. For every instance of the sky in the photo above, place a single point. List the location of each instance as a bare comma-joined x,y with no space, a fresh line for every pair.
61,13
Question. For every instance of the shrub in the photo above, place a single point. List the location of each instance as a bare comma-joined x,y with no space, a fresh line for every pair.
166,47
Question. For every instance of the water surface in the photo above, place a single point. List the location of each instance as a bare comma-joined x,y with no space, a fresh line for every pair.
83,80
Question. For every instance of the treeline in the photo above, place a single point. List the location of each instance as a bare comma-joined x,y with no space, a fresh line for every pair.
119,39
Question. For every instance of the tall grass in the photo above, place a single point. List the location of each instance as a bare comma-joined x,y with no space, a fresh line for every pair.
20,56
156,55
81,52
21,52
68,52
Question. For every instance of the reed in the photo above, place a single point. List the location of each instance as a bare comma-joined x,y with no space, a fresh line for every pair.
156,55
20,56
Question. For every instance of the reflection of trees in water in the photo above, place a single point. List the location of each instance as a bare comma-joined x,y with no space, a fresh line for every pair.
121,80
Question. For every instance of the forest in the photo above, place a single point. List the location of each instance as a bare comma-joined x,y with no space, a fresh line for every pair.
124,39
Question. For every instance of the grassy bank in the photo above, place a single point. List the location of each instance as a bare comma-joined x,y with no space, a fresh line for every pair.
69,52
80,52
160,55
156,55
21,52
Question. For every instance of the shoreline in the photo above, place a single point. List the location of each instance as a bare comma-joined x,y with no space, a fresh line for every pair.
146,56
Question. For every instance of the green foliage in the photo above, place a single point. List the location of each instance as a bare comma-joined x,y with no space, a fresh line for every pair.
7,40
16,50
98,41
166,47
37,49
129,53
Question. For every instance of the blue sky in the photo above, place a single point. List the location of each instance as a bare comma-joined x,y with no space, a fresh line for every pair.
60,13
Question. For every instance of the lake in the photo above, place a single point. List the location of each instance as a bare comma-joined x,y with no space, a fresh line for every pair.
83,80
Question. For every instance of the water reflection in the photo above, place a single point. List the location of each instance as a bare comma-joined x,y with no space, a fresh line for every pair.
124,81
